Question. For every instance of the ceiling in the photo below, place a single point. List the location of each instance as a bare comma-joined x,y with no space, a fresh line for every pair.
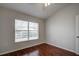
35,9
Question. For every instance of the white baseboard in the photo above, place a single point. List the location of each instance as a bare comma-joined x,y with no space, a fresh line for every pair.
64,48
77,52
19,49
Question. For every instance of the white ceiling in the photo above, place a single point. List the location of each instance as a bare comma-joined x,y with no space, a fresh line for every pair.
35,9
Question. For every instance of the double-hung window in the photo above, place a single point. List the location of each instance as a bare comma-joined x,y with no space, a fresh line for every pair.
25,30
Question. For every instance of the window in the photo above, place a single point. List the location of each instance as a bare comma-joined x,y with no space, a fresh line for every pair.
25,30
33,31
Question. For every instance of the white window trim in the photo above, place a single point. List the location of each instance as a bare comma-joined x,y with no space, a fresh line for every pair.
17,40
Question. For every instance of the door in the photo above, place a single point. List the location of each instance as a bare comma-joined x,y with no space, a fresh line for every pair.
77,34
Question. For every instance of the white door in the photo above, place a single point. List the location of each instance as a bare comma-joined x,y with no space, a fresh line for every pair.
77,34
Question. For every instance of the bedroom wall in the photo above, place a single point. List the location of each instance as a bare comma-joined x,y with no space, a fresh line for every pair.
60,28
7,19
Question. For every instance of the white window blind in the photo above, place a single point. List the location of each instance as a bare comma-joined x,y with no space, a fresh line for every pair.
25,30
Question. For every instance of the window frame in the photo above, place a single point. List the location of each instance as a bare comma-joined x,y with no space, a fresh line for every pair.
28,31
34,30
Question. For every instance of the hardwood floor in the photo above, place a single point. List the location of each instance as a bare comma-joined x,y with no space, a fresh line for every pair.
41,50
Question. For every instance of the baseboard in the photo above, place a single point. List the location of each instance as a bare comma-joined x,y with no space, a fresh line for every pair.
77,53
19,49
63,48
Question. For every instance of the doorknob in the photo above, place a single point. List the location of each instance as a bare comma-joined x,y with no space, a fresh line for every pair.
77,36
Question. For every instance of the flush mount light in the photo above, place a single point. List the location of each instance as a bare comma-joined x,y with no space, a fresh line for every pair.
47,4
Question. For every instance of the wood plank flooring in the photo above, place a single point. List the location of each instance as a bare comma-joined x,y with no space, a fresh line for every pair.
42,50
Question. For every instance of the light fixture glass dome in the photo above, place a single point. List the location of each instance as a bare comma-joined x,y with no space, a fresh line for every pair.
47,4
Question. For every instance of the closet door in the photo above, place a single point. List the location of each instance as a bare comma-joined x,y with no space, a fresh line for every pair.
77,34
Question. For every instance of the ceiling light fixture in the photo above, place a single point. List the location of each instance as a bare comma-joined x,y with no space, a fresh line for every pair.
47,4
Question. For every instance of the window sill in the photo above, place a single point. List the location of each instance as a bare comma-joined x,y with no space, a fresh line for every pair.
25,39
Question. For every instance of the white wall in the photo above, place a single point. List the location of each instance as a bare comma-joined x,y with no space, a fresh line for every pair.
60,28
7,19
